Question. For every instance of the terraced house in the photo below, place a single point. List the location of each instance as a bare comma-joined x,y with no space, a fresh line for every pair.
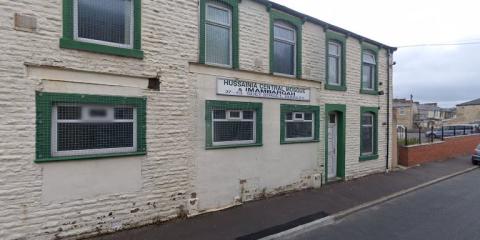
121,113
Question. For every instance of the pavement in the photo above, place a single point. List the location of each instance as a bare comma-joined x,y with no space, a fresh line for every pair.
263,218
443,211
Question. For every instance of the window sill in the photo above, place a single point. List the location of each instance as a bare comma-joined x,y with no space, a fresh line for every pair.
368,157
96,48
234,146
369,92
88,157
295,142
335,88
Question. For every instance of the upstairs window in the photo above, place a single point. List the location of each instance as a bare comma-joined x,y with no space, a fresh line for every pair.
218,34
284,49
369,66
103,26
108,22
334,63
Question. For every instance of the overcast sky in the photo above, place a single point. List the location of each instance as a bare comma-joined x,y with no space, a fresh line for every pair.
448,75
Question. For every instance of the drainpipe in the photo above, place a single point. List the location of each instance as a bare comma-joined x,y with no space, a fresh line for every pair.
387,167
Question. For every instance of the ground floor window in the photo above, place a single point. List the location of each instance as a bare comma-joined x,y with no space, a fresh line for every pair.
233,124
72,126
368,133
299,123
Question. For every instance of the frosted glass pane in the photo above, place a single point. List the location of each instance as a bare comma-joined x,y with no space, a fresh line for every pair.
369,58
284,61
333,76
106,20
283,33
217,44
218,15
334,49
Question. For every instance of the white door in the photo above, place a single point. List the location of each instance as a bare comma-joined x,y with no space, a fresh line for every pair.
332,146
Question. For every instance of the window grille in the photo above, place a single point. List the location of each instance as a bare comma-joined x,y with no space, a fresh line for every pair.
299,126
107,22
93,129
233,127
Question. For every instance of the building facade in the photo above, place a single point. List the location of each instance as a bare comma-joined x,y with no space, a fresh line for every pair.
122,113
406,112
466,113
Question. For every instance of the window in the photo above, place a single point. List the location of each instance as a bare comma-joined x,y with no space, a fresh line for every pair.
368,133
233,127
299,123
73,126
219,33
369,75
284,48
401,111
285,44
334,63
233,124
368,71
93,129
107,26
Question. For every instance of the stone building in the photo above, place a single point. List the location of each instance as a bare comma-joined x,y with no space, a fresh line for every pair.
121,113
468,112
406,111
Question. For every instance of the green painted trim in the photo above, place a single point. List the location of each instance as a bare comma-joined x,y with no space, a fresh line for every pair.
211,105
44,105
297,23
375,50
233,4
341,109
90,157
68,41
342,40
285,108
374,111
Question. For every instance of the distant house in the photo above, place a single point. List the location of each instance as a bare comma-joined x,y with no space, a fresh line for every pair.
405,112
428,115
468,112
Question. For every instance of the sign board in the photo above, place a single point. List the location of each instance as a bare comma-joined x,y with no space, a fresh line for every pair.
232,87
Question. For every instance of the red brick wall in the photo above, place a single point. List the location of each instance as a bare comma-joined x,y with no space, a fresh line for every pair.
450,148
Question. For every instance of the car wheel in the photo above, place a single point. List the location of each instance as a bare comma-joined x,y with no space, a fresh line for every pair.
474,162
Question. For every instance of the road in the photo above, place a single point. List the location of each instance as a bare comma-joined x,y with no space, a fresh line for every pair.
444,211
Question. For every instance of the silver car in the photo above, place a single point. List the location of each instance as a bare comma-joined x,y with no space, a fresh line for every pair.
476,156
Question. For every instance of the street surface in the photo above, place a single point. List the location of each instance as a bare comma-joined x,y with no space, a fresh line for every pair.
444,211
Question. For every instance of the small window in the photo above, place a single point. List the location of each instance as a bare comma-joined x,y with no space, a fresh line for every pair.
107,22
218,34
237,128
93,129
301,127
299,123
284,48
367,133
368,70
334,63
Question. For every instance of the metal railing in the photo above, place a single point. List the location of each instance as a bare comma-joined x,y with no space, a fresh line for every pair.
430,135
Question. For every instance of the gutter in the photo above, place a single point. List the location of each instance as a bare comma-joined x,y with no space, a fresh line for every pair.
325,25
387,166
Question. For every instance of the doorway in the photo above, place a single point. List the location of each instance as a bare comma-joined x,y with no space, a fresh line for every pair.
334,142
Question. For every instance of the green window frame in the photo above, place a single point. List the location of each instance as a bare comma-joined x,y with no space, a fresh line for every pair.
45,102
68,40
373,49
295,22
286,108
341,40
374,155
211,105
233,4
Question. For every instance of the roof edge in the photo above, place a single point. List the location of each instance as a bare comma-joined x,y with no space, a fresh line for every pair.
323,23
